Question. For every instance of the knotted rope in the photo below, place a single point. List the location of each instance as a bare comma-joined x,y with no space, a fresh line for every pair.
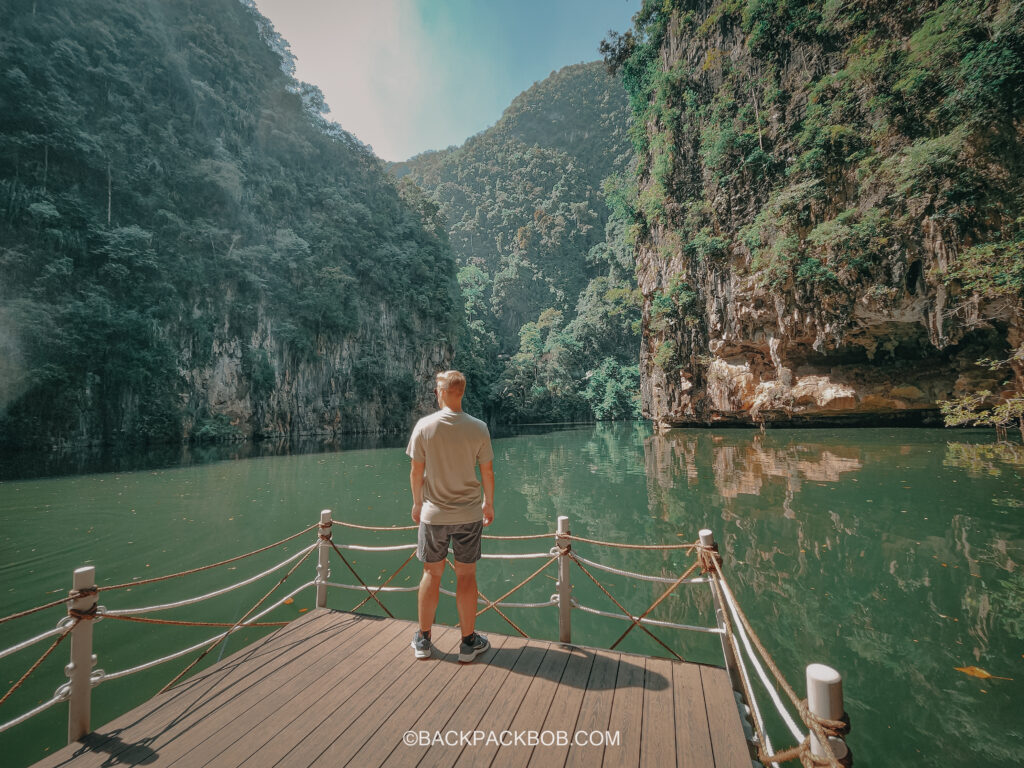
831,728
707,557
87,615
77,615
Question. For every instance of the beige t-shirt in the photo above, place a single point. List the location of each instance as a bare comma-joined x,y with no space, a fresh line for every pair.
451,444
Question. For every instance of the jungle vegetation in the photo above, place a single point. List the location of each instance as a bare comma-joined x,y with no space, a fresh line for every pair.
169,187
538,213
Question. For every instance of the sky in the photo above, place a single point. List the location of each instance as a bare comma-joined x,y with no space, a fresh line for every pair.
406,76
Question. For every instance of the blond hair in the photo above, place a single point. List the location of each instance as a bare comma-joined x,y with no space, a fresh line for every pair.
451,381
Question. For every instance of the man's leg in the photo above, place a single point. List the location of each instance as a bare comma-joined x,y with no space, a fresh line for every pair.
465,596
430,592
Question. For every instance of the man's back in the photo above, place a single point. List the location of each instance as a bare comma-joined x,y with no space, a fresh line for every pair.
451,444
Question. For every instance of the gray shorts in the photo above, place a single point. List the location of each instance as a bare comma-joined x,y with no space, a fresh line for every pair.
432,542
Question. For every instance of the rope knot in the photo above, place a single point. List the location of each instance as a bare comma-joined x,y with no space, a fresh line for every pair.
324,536
837,728
76,594
707,557
328,524
87,615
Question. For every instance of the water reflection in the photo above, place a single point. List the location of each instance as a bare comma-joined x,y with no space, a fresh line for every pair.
744,464
894,555
989,459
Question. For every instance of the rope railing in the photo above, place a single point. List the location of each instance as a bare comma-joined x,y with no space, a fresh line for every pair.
124,612
32,713
522,556
828,732
32,641
202,568
248,613
635,575
140,582
253,621
744,638
620,545
361,548
78,615
651,622
480,600
739,642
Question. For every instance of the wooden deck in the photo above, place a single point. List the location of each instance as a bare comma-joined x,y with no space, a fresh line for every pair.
334,689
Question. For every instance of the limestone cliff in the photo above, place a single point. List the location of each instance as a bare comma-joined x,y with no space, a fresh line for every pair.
822,188
334,391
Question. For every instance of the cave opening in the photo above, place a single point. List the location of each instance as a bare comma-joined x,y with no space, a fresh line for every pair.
914,277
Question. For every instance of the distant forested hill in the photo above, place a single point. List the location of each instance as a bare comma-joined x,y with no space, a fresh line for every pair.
187,248
545,269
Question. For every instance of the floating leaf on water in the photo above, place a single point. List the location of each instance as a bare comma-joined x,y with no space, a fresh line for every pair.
289,601
303,610
980,673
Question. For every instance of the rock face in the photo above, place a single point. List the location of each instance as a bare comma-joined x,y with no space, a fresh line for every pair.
804,204
328,394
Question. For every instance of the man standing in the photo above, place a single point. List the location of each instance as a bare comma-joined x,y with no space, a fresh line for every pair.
445,449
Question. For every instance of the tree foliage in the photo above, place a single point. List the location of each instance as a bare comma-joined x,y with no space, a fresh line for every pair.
546,266
169,187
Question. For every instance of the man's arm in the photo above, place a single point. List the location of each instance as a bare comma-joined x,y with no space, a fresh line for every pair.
487,476
416,483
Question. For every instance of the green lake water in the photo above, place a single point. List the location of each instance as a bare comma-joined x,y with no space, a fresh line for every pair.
893,555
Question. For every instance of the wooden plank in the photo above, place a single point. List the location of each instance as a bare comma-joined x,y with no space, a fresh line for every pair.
483,707
595,709
693,735
627,713
658,728
323,719
171,732
355,716
727,741
565,708
503,707
236,730
436,685
470,709
343,741
135,729
529,716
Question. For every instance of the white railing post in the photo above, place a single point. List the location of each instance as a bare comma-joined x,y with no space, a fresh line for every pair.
323,567
564,585
79,670
825,699
707,539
